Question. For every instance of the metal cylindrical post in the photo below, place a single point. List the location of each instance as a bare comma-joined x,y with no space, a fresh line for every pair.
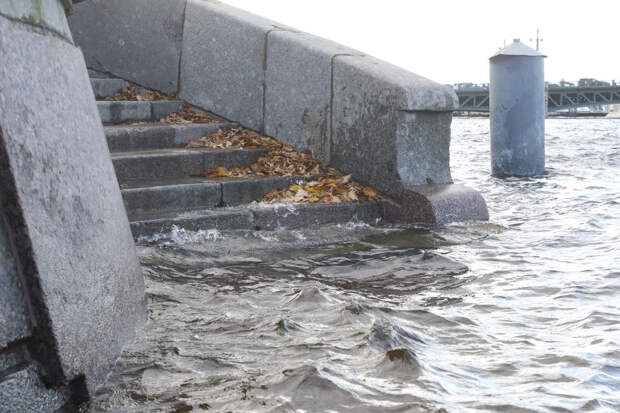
517,106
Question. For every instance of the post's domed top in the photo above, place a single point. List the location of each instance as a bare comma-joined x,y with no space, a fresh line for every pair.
518,49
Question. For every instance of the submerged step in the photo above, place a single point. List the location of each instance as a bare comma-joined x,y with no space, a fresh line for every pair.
261,217
171,163
132,111
187,194
159,136
107,87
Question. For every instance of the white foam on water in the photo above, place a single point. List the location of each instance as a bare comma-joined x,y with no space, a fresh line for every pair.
182,236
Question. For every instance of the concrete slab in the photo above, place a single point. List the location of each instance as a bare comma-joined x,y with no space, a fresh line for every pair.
138,40
65,209
222,66
298,89
391,128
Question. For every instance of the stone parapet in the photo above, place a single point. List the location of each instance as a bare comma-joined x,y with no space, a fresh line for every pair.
137,40
387,126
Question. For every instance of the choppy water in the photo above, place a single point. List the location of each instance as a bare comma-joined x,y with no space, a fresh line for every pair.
516,315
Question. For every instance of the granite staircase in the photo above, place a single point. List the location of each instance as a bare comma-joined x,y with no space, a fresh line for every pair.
163,182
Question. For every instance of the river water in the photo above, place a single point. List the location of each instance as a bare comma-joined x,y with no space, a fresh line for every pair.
520,314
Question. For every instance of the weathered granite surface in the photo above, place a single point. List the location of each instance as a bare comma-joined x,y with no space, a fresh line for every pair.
138,40
223,61
391,128
24,392
298,89
64,206
49,14
438,205
14,319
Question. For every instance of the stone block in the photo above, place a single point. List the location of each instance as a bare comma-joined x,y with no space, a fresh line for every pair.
274,217
243,191
298,89
223,61
24,392
121,112
49,14
140,137
107,87
438,205
230,158
135,111
138,40
391,128
182,197
63,204
157,165
221,219
14,317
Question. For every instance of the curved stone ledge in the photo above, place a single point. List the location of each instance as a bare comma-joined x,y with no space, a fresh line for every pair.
439,205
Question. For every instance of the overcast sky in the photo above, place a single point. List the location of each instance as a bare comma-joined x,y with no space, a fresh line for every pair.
451,41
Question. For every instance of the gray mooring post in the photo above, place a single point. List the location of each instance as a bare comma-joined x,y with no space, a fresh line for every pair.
517,105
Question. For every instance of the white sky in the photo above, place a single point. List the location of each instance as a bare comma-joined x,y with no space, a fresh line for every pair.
450,41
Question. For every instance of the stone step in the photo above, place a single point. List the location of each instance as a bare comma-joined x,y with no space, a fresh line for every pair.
187,194
159,136
107,87
175,163
259,217
128,111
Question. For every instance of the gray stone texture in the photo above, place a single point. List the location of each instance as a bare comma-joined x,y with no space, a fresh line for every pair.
14,317
171,163
107,87
438,205
134,111
24,392
223,61
391,128
304,216
243,191
137,40
49,14
147,137
71,228
229,219
181,197
298,89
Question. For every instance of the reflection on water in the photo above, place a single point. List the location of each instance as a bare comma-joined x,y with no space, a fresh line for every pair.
519,314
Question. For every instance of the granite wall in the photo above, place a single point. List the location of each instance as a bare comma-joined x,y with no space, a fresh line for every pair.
386,125
71,288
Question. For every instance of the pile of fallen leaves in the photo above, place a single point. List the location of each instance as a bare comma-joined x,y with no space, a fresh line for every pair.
187,114
285,161
133,94
239,138
325,190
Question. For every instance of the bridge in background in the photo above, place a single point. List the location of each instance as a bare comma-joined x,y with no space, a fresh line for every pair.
476,98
